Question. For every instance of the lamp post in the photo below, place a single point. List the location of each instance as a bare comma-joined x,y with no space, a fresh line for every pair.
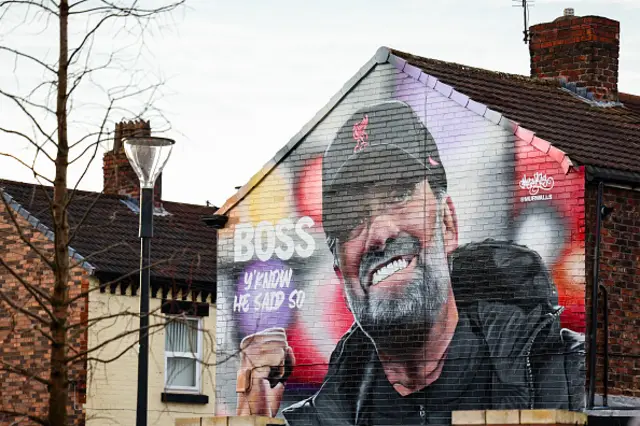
148,156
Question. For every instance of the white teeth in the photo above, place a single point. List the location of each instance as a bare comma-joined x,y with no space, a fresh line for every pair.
389,269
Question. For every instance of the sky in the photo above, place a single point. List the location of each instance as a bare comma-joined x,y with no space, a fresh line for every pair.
241,78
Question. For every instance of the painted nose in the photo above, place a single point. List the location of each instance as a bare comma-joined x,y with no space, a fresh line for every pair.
381,229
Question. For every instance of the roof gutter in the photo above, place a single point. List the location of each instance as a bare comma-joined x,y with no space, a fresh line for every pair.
215,221
612,177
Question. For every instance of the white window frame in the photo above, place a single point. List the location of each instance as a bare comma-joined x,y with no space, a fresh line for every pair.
197,356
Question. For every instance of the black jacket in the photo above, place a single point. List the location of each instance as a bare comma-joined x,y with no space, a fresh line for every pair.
508,352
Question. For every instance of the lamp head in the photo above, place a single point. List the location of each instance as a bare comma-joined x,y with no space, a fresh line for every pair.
148,156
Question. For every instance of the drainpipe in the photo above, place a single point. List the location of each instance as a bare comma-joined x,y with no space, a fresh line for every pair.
605,326
593,329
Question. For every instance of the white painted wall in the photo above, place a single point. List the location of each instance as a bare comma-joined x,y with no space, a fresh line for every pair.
111,387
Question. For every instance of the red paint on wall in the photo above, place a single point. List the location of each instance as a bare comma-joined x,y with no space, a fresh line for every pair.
562,195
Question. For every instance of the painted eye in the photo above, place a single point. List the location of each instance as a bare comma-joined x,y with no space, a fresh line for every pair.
351,225
356,228
402,196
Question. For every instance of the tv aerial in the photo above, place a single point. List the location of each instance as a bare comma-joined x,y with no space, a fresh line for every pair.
524,4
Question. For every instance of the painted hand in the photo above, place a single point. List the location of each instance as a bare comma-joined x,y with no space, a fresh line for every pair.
266,362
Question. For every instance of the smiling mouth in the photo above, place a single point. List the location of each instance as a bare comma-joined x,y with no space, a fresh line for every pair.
386,270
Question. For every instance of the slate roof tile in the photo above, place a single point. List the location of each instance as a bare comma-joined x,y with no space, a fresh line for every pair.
108,238
593,135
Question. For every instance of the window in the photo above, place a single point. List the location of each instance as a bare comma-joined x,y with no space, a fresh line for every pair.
183,350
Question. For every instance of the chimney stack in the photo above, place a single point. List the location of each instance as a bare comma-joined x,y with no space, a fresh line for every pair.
118,175
584,50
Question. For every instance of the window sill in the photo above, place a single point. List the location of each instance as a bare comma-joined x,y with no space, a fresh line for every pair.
184,398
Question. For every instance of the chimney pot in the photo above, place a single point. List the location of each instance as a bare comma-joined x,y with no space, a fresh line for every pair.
569,11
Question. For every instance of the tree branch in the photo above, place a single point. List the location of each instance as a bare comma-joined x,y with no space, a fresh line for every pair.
20,309
28,139
28,102
90,34
93,156
91,322
35,419
129,11
95,253
111,340
29,3
114,358
34,121
27,56
34,291
115,281
35,174
23,372
77,79
93,145
75,69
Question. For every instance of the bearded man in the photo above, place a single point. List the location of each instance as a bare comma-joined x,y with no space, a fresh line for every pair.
437,327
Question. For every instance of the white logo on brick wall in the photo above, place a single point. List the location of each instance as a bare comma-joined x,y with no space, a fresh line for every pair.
536,183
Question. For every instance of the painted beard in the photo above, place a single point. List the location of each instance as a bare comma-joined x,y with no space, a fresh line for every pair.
409,311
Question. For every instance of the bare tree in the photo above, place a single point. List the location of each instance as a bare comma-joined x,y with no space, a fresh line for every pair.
67,91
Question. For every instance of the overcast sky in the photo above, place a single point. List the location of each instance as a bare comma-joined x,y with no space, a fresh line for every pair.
244,76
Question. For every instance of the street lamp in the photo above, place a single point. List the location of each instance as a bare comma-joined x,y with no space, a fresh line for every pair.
148,156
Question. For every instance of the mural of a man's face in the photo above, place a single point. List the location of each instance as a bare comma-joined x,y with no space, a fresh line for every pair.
394,261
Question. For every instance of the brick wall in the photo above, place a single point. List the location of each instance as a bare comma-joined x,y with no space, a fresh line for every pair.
276,269
21,344
518,417
619,272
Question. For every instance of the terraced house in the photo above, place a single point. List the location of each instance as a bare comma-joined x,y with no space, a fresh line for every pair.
452,240
439,244
105,248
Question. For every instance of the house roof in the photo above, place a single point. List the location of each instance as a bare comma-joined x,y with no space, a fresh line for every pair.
588,132
550,115
183,248
630,101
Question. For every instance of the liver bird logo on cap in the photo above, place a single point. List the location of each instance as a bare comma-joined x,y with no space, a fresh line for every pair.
360,134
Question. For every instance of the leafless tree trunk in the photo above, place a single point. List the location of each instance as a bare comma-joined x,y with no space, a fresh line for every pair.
59,377
49,139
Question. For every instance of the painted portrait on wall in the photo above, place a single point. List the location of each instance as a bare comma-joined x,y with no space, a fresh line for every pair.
397,291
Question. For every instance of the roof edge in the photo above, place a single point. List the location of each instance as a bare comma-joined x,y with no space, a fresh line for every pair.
161,287
483,110
622,177
38,225
380,57
385,55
